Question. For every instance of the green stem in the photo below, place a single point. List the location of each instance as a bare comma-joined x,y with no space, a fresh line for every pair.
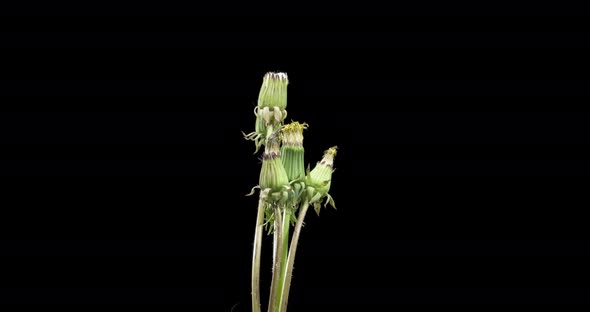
256,258
269,131
291,258
286,223
276,271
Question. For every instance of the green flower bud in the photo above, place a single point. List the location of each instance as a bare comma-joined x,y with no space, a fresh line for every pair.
272,102
273,91
321,175
270,111
319,180
292,150
273,175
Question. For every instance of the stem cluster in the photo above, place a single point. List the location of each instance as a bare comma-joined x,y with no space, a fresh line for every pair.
286,190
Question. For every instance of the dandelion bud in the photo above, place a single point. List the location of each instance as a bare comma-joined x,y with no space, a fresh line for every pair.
273,175
321,175
272,100
270,111
273,91
292,150
319,180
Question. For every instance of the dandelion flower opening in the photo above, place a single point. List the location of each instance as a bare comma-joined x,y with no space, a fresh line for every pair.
329,155
292,134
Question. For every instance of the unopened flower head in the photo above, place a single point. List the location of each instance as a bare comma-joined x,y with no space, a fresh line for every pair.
321,175
272,100
272,174
273,91
292,150
270,111
319,180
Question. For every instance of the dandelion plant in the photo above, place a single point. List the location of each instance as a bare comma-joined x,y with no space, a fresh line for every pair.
286,189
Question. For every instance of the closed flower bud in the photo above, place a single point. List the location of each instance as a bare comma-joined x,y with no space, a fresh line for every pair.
272,101
321,175
272,174
273,91
270,111
292,150
319,180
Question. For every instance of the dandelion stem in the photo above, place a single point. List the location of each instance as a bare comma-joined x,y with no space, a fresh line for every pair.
286,223
291,258
276,271
256,257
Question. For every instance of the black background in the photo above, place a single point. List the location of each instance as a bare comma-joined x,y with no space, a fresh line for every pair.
461,175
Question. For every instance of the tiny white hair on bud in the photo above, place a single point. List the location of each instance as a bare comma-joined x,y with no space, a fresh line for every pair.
278,75
282,75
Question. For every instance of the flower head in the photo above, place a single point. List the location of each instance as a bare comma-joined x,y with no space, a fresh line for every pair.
272,101
273,174
274,183
292,149
273,91
319,180
270,111
321,175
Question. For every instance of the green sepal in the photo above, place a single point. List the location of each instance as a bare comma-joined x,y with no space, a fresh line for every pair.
329,200
268,224
317,206
252,191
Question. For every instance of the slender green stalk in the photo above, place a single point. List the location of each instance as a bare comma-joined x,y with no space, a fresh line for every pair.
291,258
286,223
269,131
256,258
276,271
275,242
